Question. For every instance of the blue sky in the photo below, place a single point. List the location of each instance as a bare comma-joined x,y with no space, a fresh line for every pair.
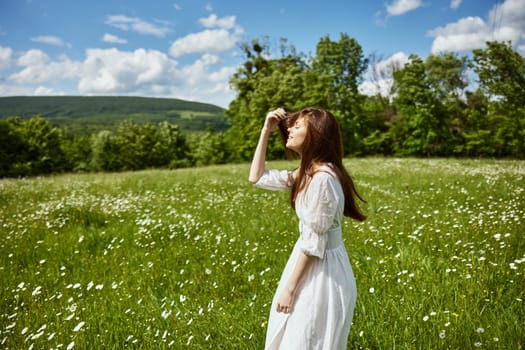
189,48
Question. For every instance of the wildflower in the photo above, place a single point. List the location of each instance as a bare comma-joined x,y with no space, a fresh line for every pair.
425,318
442,335
189,340
480,330
371,290
37,291
78,326
477,344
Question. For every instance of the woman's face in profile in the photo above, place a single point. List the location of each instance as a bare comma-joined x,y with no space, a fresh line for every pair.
296,135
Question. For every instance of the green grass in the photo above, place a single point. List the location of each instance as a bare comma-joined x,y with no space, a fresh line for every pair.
190,258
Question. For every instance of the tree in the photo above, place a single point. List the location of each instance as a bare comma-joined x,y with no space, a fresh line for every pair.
77,150
501,73
14,158
170,148
428,101
207,148
135,143
105,152
447,80
338,70
262,84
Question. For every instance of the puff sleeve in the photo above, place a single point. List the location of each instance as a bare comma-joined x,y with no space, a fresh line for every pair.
274,180
324,203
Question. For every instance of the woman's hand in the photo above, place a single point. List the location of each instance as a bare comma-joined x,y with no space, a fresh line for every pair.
273,118
286,301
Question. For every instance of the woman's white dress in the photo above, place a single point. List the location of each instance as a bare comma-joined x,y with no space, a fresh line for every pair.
322,313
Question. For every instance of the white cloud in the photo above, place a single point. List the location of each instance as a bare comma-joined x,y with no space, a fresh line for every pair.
399,7
137,25
32,57
15,90
45,91
506,22
114,71
38,68
207,41
5,57
466,34
139,72
50,40
224,37
454,4
109,38
380,79
212,21
390,65
153,73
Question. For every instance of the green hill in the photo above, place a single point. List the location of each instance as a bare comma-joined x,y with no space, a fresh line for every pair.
91,113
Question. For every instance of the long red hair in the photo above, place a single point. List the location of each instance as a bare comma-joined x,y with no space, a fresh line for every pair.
322,145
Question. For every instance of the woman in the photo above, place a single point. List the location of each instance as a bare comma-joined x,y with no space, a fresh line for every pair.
315,298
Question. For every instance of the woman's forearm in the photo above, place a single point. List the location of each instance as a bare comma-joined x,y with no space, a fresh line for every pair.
259,158
286,300
303,263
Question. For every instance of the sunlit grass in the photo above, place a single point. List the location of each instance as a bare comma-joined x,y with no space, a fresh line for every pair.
191,258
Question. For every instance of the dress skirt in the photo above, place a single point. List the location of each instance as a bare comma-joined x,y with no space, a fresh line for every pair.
322,314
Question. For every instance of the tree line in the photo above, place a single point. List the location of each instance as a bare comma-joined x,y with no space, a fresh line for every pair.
446,105
35,147
431,110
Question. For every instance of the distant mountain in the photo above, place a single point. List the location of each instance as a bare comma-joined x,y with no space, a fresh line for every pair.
91,113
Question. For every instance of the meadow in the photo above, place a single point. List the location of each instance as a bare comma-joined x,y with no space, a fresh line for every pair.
190,258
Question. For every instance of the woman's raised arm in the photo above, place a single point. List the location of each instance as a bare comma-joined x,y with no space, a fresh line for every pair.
259,158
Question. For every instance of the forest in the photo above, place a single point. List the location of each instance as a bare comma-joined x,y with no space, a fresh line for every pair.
446,105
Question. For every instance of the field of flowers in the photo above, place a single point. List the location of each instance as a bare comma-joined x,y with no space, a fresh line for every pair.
190,258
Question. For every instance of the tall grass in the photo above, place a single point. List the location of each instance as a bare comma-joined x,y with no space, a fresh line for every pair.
190,258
